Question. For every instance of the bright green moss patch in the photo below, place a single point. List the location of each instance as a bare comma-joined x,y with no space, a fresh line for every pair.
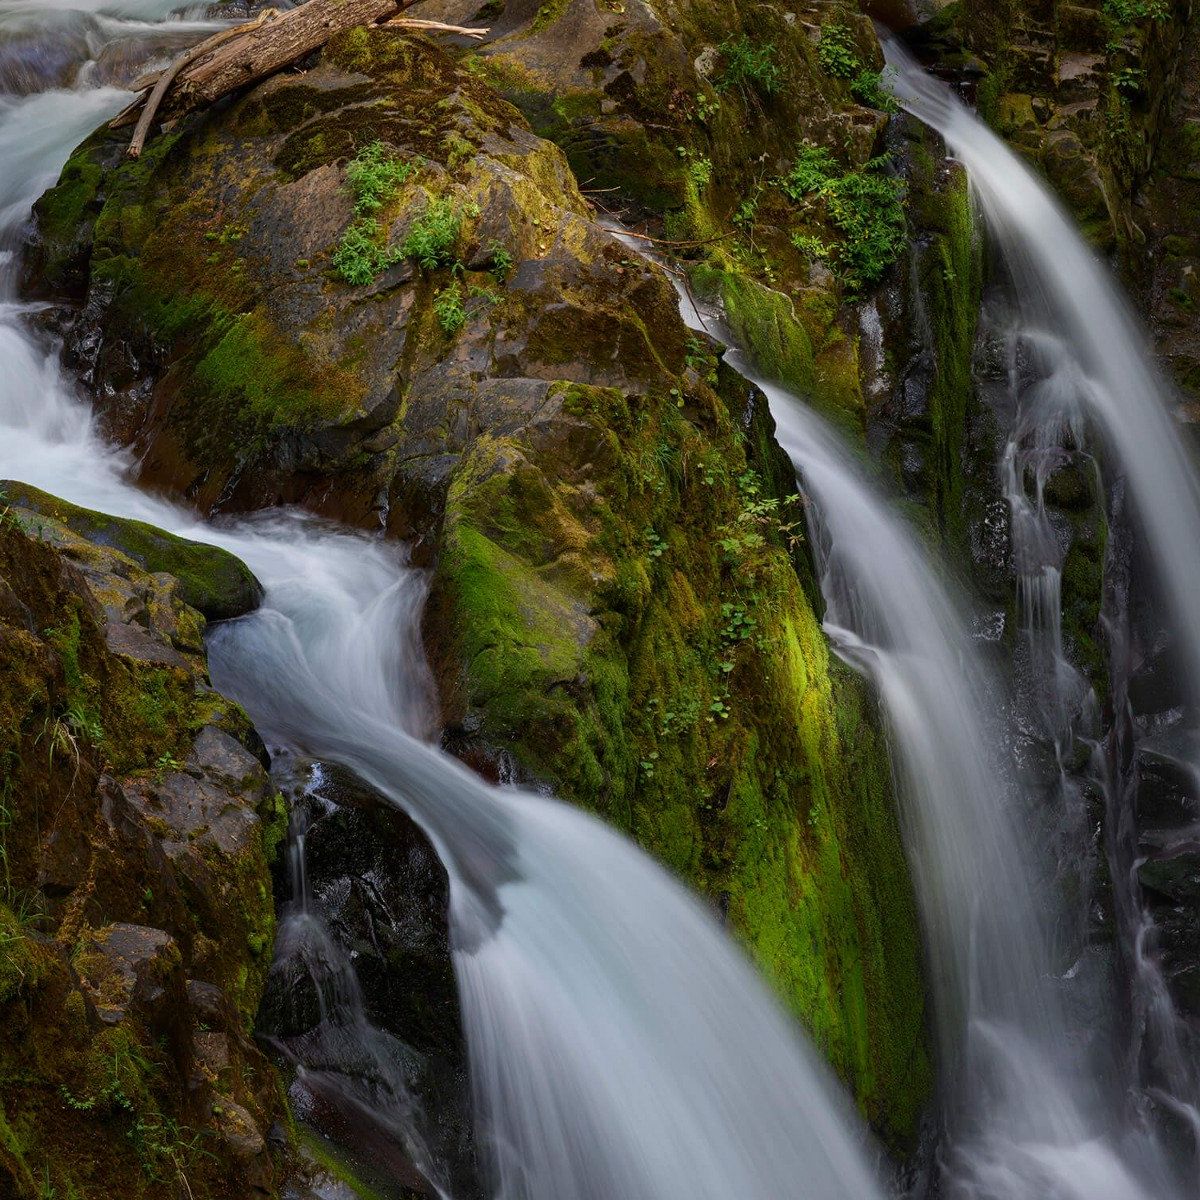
211,580
647,647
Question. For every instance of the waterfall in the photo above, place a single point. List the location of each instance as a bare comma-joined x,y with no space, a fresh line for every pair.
1087,358
1025,1111
621,1048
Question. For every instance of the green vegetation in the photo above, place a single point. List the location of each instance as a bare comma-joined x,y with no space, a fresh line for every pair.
1130,12
433,237
839,57
373,177
864,205
751,66
448,305
360,258
837,52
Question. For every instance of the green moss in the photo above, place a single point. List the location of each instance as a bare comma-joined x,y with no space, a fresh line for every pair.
625,646
950,275
210,579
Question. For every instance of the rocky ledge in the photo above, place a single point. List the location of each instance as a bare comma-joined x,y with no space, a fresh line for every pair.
137,822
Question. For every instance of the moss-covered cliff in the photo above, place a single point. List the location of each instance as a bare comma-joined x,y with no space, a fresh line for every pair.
475,362
136,915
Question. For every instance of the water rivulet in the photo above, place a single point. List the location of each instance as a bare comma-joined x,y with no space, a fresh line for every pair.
620,1046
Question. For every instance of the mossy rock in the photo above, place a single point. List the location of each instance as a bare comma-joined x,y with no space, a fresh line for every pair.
211,580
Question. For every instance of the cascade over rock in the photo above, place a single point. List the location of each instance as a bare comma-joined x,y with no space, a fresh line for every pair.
580,472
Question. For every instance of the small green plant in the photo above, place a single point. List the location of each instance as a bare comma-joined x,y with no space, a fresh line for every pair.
432,239
811,245
700,172
360,258
657,545
502,260
864,205
374,175
748,65
812,170
166,762
707,107
1129,80
867,88
837,53
448,305
1130,12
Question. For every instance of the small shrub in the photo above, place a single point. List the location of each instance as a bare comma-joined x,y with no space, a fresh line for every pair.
813,169
448,304
837,53
751,66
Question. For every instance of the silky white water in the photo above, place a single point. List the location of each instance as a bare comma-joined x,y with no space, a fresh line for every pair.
621,1048
1074,336
1026,1112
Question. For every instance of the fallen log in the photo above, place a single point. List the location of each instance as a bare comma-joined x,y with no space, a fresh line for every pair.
168,77
236,58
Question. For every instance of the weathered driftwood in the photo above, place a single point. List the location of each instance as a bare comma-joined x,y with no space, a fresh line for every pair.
168,77
235,58
471,31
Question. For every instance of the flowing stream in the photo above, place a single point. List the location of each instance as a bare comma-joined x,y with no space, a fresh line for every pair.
1027,1111
620,1045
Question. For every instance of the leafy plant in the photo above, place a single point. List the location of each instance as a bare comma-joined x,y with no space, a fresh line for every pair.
864,205
360,258
867,88
810,244
658,546
448,304
748,65
812,170
1129,12
502,260
837,53
374,175
432,239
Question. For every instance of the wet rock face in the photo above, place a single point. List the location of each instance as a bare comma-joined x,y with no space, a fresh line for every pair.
241,217
362,993
136,910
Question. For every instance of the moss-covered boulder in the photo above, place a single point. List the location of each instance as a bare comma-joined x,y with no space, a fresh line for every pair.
211,580
136,915
371,289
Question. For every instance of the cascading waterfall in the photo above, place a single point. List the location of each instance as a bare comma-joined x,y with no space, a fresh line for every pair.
1090,359
1025,1111
620,1046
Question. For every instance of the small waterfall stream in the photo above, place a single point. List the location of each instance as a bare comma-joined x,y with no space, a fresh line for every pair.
1026,1108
